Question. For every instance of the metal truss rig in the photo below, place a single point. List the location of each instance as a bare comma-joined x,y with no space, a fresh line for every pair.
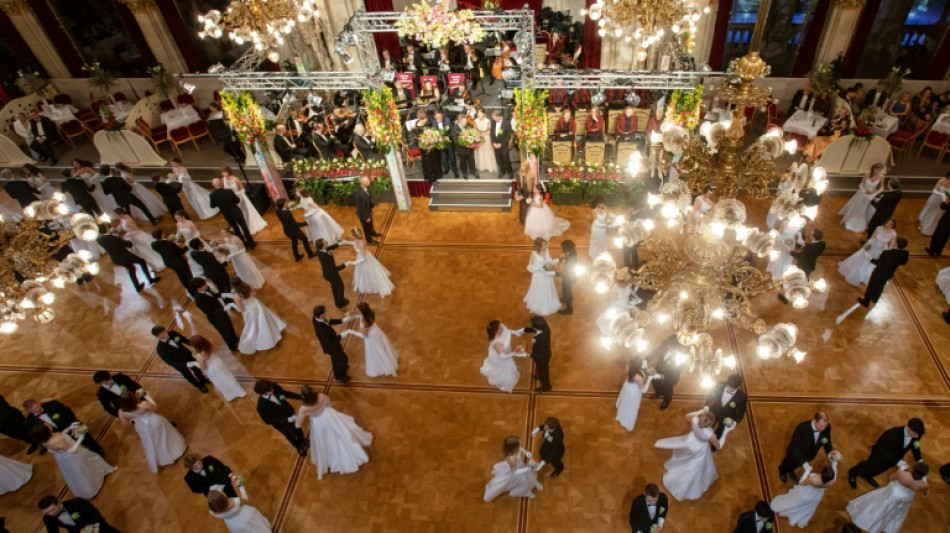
279,81
619,79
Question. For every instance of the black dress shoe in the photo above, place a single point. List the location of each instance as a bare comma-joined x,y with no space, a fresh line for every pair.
930,253
555,474
542,389
853,481
783,477
345,303
373,242
783,299
871,482
203,389
311,256
863,302
345,379
377,235
297,258
946,316
664,405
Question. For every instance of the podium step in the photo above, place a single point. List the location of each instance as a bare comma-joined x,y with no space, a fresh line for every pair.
471,195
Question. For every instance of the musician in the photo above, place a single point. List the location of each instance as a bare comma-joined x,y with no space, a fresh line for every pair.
326,145
402,96
566,127
298,128
286,147
555,46
342,122
388,63
444,62
429,94
595,125
626,125
558,100
345,98
413,60
460,96
472,63
271,103
365,145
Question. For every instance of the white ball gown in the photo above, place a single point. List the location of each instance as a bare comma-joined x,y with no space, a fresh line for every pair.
154,204
883,509
931,213
14,474
625,299
223,380
784,244
943,282
691,469
261,327
46,189
244,265
500,368
243,519
628,402
541,222
105,201
369,275
161,442
189,232
320,225
337,442
255,222
598,234
518,483
485,154
799,504
83,471
857,268
142,244
858,211
381,357
542,298
198,197
772,220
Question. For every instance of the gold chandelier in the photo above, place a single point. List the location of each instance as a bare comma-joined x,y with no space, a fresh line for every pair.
29,274
645,21
699,264
263,23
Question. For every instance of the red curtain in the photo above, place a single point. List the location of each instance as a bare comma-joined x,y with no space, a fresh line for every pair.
535,5
591,43
384,41
718,47
183,36
806,54
861,35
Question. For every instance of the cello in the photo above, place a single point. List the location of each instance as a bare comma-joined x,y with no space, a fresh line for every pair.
501,61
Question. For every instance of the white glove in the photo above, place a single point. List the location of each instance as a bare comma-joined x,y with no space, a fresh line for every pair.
725,432
902,465
808,470
539,466
518,332
535,431
348,263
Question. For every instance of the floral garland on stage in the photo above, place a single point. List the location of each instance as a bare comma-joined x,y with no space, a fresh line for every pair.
435,25
531,119
684,106
382,119
339,168
245,116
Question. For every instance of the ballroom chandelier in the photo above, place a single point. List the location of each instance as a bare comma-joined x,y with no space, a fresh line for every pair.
644,21
263,23
699,264
29,273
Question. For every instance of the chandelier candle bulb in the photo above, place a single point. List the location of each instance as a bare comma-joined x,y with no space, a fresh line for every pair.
729,361
605,342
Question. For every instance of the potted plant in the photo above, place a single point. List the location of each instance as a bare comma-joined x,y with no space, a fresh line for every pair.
102,79
608,189
566,191
343,192
162,81
381,190
33,83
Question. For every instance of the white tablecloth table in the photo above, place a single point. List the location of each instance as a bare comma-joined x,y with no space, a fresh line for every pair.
885,125
803,124
182,116
942,124
59,113
846,157
121,110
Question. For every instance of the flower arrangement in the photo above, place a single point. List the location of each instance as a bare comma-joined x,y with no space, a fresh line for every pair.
683,108
432,139
566,171
864,124
162,80
894,81
822,81
435,25
532,119
470,138
245,116
32,83
835,456
382,119
109,122
339,168
100,77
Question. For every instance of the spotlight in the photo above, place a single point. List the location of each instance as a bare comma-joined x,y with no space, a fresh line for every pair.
344,55
188,87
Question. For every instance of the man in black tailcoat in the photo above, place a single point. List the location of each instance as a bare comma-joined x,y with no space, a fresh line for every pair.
115,185
885,204
292,230
211,268
541,350
20,190
364,210
208,298
666,365
168,190
79,190
727,401
501,141
74,515
330,342
331,271
276,411
807,257
889,451
230,206
939,239
886,266
808,437
758,520
119,251
207,472
648,509
552,444
173,256
111,387
13,424
173,350
59,418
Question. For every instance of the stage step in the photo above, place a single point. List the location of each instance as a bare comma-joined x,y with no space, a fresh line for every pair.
471,195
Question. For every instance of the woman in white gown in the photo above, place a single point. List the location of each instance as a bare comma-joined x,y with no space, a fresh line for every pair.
484,154
540,221
857,268
255,222
625,299
161,442
931,213
499,367
84,170
369,275
628,403
238,517
883,510
337,442
320,225
785,243
216,370
799,504
187,230
141,241
943,282
691,469
542,298
704,202
39,181
243,263
198,197
857,212
261,326
598,228
513,474
152,202
381,357
784,184
83,471
14,474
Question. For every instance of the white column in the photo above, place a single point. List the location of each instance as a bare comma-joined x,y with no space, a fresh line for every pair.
837,33
32,31
705,28
157,34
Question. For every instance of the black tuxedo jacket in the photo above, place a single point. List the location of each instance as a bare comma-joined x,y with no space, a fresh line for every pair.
869,99
505,137
541,351
553,449
175,350
62,416
22,192
735,409
11,418
804,447
79,190
887,263
366,147
331,271
274,414
290,224
210,305
886,204
322,142
640,521
454,136
227,202
666,362
172,254
212,268
808,256
328,337
119,189
214,473
797,99
119,249
285,147
109,399
890,446
82,514
169,193
49,128
746,523
364,205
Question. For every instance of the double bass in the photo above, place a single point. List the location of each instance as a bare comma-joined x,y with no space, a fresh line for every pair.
501,61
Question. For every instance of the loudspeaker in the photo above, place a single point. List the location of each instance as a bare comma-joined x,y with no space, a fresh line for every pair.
257,193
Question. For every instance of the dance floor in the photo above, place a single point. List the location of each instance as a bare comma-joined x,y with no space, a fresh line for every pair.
438,425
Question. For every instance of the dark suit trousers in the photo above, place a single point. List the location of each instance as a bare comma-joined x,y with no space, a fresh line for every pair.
341,364
18,432
503,158
787,466
631,257
90,206
192,375
448,161
368,230
873,466
664,388
239,225
336,285
554,460
183,271
467,162
222,322
134,201
296,239
292,433
143,266
541,365
90,443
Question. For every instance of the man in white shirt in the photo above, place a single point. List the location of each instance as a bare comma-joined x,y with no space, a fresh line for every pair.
727,402
649,509
757,520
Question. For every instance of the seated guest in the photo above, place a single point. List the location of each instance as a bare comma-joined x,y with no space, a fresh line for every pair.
555,45
44,135
839,126
566,128
387,62
803,100
595,126
626,125
429,94
412,62
558,100
654,123
876,96
920,112
402,96
285,145
365,145
900,106
942,103
326,146
848,102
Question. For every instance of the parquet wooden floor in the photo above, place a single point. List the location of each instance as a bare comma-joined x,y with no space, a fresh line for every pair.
438,425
